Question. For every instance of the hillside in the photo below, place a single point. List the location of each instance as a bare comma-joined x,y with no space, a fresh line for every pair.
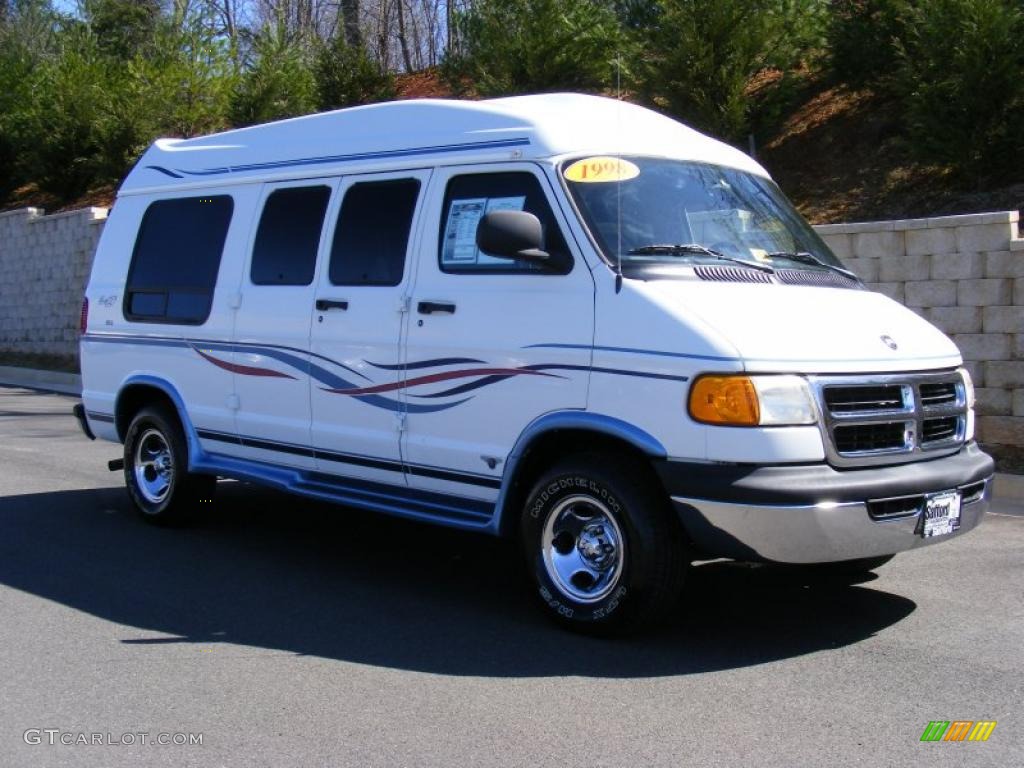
839,156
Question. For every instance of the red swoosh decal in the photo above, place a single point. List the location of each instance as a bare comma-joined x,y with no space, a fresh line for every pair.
245,370
435,377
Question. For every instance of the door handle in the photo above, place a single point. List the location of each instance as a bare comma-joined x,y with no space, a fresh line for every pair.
430,307
322,305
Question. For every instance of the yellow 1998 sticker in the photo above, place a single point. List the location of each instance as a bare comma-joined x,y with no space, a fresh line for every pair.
601,169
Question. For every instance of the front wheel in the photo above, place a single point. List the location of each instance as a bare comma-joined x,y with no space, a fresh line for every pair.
156,470
602,545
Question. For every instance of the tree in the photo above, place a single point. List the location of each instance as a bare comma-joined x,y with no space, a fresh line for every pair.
123,28
863,37
961,79
277,83
28,38
350,19
67,95
346,76
520,46
700,55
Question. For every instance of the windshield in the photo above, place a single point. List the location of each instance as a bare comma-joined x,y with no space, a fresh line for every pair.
656,211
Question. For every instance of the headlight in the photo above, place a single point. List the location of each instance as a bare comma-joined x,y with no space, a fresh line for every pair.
968,388
750,401
969,397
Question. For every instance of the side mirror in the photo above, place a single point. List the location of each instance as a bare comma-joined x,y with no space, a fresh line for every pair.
514,235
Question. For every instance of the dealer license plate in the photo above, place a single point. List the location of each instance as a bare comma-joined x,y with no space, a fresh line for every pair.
941,514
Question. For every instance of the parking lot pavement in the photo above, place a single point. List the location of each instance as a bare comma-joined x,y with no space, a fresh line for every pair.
288,633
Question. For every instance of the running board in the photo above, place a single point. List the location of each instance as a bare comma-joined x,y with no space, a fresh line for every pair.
398,500
402,501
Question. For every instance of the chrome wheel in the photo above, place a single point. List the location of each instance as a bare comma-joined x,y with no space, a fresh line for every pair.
583,549
153,466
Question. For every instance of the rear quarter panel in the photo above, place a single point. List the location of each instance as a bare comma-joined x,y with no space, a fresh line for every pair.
115,351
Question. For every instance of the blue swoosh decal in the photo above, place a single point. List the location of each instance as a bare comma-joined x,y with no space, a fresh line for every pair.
441,361
172,174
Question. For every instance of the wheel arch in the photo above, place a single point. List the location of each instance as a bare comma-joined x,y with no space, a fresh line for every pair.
139,391
557,434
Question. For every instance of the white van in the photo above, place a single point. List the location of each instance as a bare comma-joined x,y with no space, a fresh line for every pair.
562,318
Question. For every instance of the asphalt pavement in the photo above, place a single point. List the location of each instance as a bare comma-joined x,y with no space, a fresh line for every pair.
286,633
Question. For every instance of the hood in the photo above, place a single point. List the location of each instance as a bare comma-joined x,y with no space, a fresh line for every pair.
783,328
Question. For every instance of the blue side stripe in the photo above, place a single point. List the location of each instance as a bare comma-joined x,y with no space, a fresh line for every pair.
633,351
438,363
612,371
373,462
163,170
661,353
495,378
383,154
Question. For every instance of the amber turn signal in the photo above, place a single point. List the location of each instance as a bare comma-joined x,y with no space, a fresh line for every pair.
725,400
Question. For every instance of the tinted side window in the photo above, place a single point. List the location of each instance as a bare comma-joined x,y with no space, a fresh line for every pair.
466,201
176,259
372,234
289,235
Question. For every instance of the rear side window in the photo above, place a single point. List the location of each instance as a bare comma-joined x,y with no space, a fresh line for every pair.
372,234
288,236
466,201
176,259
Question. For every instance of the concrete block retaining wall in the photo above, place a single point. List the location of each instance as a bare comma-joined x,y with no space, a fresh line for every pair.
44,265
966,275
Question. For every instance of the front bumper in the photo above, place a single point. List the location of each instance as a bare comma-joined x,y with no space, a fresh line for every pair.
815,513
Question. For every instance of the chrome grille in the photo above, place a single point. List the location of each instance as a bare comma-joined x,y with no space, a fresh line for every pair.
860,399
889,419
862,438
937,430
941,393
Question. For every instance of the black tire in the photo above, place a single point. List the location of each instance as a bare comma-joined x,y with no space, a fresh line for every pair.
155,470
629,574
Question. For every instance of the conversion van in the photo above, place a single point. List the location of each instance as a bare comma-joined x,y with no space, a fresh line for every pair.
561,318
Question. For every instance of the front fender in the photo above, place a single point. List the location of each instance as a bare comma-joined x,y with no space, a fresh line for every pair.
563,420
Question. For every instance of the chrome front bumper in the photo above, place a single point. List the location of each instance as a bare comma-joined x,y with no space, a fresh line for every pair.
818,533
818,514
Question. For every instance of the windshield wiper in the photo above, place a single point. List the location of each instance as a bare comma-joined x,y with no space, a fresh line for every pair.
685,248
809,258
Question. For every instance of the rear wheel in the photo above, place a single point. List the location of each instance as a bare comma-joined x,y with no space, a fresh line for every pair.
604,550
156,470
